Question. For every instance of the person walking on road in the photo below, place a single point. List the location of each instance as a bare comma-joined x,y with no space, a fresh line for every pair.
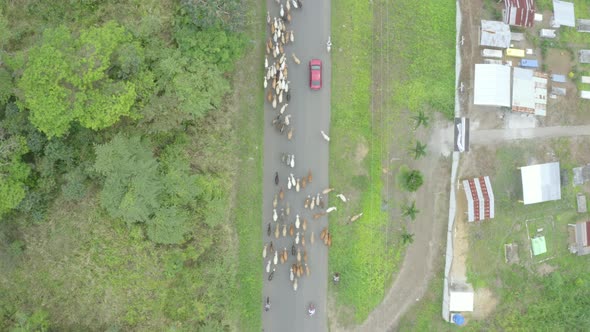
267,304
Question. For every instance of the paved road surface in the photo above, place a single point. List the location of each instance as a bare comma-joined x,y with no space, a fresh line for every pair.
310,113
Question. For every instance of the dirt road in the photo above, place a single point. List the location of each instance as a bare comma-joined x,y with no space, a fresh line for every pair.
493,136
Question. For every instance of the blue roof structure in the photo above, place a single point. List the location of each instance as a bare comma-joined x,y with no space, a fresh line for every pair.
529,63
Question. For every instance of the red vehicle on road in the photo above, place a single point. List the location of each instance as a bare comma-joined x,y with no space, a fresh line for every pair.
315,74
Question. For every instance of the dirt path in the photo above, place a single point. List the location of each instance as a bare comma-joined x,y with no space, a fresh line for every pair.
493,136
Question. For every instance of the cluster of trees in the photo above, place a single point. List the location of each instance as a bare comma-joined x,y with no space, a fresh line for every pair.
105,105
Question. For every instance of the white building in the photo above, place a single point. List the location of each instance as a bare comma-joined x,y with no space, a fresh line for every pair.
492,85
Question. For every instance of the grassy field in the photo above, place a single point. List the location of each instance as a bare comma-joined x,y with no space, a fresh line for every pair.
545,292
376,89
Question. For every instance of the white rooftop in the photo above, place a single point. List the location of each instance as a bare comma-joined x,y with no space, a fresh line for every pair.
461,300
495,34
541,183
492,85
564,13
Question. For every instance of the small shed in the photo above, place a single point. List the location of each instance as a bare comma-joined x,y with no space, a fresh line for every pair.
492,85
515,52
547,33
582,236
581,174
581,202
538,245
564,13
517,36
584,56
495,34
586,79
583,25
585,94
461,297
558,78
529,63
486,52
480,198
541,183
519,12
558,91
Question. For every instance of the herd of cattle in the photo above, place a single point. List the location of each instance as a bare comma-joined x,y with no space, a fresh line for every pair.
289,236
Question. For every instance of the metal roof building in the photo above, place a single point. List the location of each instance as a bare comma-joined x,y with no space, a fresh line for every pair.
541,183
583,25
480,198
492,85
582,246
519,12
529,91
461,297
495,34
564,13
584,56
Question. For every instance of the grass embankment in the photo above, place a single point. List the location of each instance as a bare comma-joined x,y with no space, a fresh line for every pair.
534,294
420,76
249,123
359,249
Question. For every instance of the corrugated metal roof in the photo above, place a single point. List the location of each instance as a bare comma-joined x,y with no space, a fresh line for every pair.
558,78
541,183
564,13
495,34
583,25
492,85
584,56
519,12
480,198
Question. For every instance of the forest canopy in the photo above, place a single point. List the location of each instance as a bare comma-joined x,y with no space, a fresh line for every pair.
107,114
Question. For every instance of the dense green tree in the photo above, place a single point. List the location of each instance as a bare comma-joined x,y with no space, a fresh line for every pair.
6,85
213,13
409,180
13,172
132,186
65,80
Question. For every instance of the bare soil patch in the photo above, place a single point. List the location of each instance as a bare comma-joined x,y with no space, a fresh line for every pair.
485,303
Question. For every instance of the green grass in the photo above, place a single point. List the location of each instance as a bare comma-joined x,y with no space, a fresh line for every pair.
421,78
359,250
424,52
249,121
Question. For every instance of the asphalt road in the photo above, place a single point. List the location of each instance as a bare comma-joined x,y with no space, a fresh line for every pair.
310,113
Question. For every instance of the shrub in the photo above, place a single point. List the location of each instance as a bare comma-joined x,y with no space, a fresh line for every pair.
410,179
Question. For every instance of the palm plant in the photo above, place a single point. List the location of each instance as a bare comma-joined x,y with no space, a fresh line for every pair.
421,119
419,150
407,238
410,210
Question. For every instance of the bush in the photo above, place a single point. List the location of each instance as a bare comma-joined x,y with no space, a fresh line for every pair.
409,179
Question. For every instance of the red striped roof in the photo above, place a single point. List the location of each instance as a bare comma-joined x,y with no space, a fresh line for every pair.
519,12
